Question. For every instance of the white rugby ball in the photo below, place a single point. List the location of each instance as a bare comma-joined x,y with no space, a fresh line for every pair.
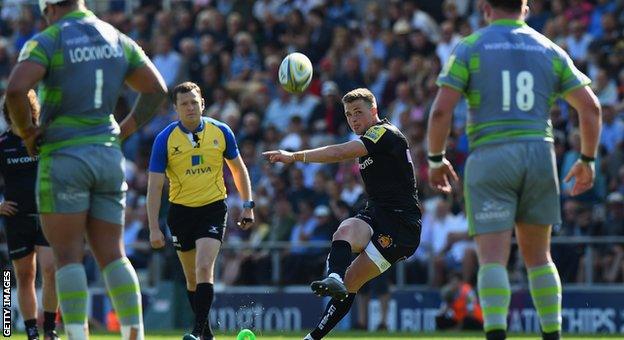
295,72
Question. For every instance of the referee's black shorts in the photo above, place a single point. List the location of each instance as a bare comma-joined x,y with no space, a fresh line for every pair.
23,234
188,224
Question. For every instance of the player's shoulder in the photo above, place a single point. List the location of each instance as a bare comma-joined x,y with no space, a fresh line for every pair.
166,132
52,33
384,129
217,123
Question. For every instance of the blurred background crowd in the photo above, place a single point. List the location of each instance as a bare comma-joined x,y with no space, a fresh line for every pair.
233,48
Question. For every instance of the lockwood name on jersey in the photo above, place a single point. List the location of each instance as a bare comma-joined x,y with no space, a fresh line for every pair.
21,160
81,54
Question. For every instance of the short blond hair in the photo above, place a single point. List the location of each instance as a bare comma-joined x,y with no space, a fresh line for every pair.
360,93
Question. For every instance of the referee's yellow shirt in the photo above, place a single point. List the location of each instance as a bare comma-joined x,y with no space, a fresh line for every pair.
193,161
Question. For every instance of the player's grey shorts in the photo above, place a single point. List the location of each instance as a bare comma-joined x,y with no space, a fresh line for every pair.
509,183
83,178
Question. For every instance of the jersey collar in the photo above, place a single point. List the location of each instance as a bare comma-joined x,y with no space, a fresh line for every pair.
200,127
508,22
78,14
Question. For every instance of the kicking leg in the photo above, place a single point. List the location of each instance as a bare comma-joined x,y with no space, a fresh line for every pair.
352,236
362,270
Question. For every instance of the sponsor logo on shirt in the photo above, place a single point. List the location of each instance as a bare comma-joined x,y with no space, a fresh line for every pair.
385,241
374,133
27,49
368,161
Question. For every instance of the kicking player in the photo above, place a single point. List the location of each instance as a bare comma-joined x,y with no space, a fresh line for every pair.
387,230
511,76
191,152
81,64
27,245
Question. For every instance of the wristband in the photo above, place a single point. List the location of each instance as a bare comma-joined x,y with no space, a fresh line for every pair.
249,204
587,159
435,165
436,157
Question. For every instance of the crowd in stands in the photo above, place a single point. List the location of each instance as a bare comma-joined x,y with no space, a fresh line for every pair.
233,48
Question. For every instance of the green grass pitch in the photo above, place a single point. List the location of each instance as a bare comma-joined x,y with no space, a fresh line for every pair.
172,335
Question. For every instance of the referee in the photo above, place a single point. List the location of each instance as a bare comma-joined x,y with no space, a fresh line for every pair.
190,152
26,242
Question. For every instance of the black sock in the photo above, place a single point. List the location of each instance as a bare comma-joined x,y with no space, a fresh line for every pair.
556,335
497,334
334,312
31,328
339,257
191,298
204,294
49,321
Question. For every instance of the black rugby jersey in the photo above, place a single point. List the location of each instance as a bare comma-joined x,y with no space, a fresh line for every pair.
387,170
19,172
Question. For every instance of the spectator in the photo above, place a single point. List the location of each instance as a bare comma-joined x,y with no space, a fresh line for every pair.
577,42
245,61
167,60
447,42
612,129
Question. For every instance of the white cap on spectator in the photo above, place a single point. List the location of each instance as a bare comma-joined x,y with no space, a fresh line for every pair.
321,211
329,87
615,197
44,3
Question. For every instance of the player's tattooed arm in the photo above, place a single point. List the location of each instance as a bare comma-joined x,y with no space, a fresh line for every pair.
149,83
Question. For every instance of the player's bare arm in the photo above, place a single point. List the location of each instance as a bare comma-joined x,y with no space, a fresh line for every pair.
155,184
243,184
586,104
441,172
149,83
24,77
326,154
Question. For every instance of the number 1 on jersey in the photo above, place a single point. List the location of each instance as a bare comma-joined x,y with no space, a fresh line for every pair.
99,82
525,97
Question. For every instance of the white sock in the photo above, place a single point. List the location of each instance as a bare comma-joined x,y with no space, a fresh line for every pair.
132,332
308,337
75,331
335,276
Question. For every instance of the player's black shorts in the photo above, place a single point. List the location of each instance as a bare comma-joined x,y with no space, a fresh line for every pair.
188,224
23,234
396,233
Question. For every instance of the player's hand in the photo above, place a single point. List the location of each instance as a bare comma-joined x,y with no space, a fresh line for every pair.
157,239
31,140
247,219
583,174
440,178
8,208
279,156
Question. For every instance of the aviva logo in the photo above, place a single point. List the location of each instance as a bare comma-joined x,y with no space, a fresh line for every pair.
197,160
